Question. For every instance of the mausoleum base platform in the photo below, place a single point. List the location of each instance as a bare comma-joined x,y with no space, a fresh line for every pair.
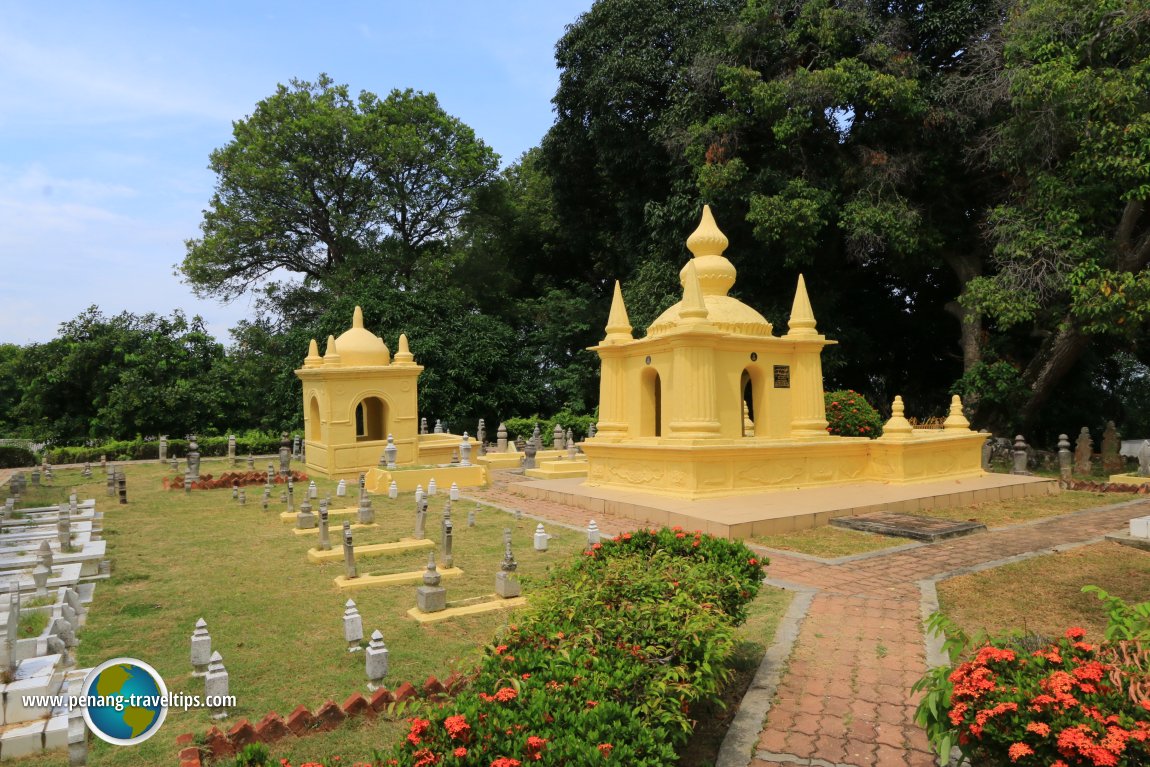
343,583
488,604
1129,479
783,511
335,554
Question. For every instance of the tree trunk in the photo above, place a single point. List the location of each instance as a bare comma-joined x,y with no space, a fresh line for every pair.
966,268
1054,360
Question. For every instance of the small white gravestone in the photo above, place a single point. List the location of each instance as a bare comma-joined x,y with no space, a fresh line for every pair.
541,538
431,487
216,685
592,533
419,495
352,626
393,490
201,649
453,494
312,490
375,661
341,488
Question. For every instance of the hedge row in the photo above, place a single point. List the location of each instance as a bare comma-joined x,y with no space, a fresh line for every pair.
13,457
616,649
141,449
525,427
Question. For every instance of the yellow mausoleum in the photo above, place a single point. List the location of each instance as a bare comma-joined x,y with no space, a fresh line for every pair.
711,403
354,396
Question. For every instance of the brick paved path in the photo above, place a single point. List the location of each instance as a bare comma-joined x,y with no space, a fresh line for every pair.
844,697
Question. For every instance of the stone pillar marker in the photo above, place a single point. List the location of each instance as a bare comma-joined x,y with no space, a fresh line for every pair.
418,494
216,683
558,439
45,553
541,538
352,626
506,586
13,629
420,521
987,449
40,575
390,452
64,533
122,486
163,448
448,559
1083,451
537,438
232,449
312,490
285,454
365,515
471,518
348,552
529,451
341,489
1020,456
243,497
432,488
305,519
1065,458
592,430
375,661
1144,459
201,648
1112,461
251,462
423,426
431,597
481,437
592,533
438,426
296,447
193,458
572,450
87,472
465,451
453,492
324,537
501,438
112,480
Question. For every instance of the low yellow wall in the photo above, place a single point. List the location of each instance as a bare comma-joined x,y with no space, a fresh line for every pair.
379,480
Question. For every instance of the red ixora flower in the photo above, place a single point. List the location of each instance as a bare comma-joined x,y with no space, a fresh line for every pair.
505,694
505,761
457,727
752,561
605,749
1075,632
460,752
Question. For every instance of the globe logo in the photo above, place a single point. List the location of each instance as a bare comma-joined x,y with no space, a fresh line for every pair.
125,701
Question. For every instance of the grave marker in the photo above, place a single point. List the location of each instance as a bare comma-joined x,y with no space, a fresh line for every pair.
352,626
1083,451
375,661
216,684
201,648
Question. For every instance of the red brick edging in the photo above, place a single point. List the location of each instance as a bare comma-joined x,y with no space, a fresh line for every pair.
302,722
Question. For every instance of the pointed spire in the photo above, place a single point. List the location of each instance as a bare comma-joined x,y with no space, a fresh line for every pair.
404,355
897,427
707,239
694,311
313,359
618,325
956,420
802,322
357,318
330,355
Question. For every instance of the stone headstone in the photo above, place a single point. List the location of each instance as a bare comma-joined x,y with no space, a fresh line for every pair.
341,489
471,518
305,519
431,597
987,449
163,448
501,438
324,535
529,452
1144,459
44,554
243,497
537,438
541,538
366,514
375,661
216,684
592,430
431,487
572,450
232,449
285,454
465,451
251,462
453,492
438,426
352,626
420,521
448,534
312,490
481,437
423,426
506,585
393,490
193,458
1112,461
87,472
593,534
1020,455
201,648
1083,452
390,452
348,552
558,438
1065,458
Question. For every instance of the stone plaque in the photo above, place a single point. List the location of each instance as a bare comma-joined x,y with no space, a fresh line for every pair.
782,376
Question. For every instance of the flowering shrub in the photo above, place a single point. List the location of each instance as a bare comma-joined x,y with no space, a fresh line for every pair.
850,415
1064,704
604,668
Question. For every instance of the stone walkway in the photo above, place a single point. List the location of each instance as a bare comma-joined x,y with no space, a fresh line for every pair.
843,696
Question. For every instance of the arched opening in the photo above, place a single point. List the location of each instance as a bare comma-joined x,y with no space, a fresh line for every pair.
651,406
747,407
370,420
313,430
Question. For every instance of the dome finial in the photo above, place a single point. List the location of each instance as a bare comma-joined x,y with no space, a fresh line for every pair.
618,325
802,321
707,239
357,318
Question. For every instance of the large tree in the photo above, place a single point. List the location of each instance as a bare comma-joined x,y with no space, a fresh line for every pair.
315,182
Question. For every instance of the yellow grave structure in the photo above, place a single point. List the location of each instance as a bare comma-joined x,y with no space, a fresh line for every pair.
354,397
712,403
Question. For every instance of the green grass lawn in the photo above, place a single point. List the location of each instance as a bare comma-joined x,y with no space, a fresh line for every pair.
275,617
829,542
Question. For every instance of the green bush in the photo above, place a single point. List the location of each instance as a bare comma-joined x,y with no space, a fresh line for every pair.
14,457
850,415
525,427
148,449
617,647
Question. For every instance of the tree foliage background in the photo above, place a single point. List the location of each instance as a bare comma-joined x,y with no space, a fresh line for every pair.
965,186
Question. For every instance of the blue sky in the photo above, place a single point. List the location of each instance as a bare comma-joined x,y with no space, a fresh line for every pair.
108,112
